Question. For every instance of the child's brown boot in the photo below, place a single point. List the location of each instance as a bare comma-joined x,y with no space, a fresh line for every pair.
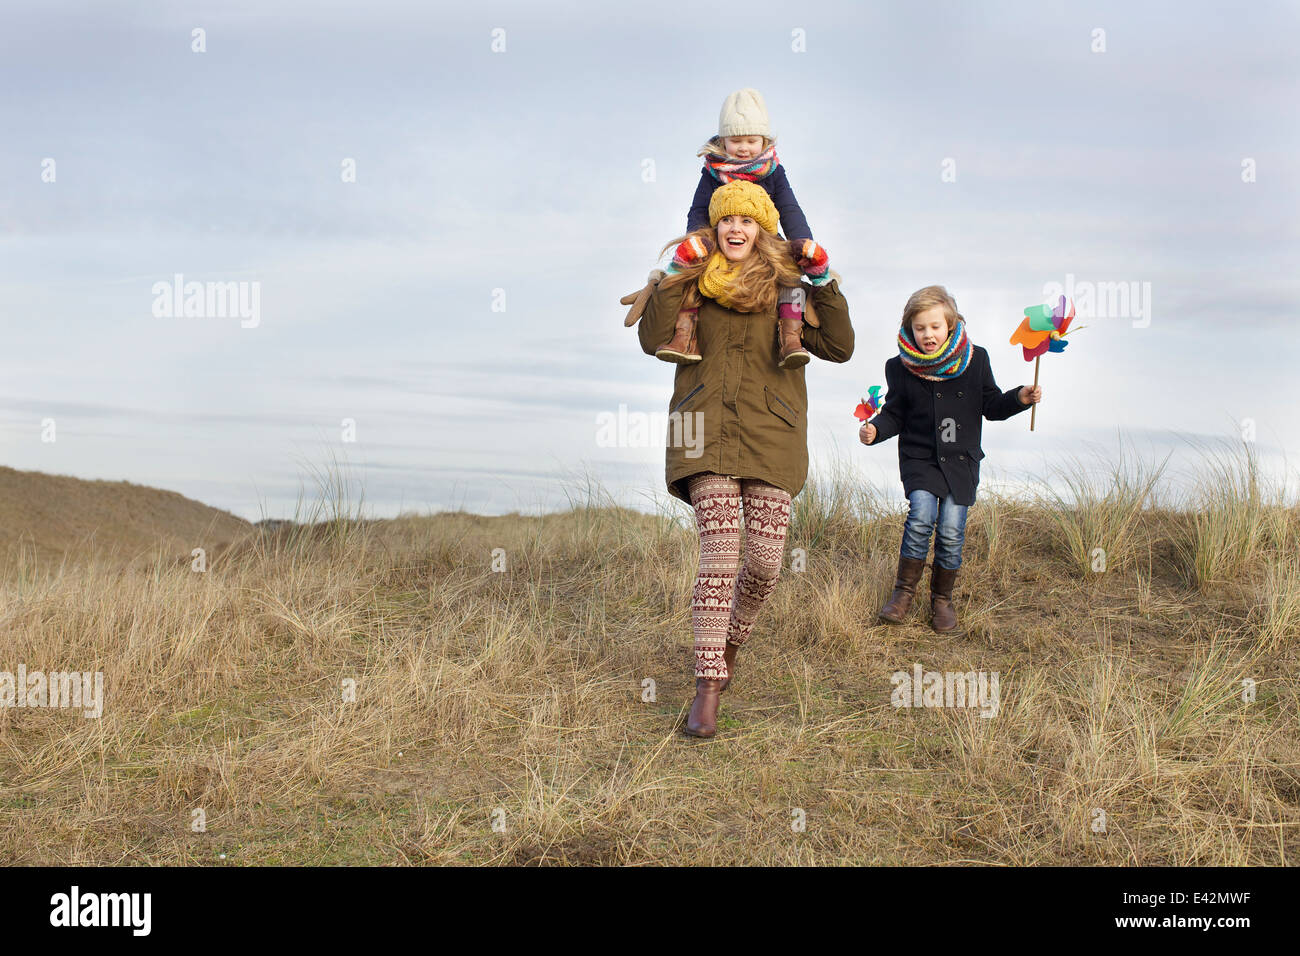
944,615
793,354
789,321
683,347
900,602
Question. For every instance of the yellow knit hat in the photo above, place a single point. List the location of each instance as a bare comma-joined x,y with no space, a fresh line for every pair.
740,197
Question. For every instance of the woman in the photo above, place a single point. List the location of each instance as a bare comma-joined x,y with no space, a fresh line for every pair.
745,417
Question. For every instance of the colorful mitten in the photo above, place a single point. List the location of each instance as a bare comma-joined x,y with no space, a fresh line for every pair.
690,251
812,259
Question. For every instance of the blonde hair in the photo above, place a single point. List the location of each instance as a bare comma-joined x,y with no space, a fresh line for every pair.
715,147
760,275
928,298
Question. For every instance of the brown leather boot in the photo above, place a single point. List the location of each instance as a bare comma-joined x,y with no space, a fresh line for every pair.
900,602
943,614
729,655
793,354
702,721
682,348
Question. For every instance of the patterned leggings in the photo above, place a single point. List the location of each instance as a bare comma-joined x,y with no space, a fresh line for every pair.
725,604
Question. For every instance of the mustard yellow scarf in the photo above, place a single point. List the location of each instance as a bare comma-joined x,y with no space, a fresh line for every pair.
717,279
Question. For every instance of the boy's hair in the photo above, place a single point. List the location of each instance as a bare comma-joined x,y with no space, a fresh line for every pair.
761,275
928,298
715,147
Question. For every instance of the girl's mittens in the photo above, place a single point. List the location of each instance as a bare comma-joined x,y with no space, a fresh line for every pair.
812,259
690,251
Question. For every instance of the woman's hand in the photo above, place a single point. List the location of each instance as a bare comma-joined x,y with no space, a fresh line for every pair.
1031,395
867,433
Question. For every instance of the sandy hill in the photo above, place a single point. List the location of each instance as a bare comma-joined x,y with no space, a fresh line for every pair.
50,516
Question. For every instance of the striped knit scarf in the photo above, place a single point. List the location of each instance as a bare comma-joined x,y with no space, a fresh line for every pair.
948,362
725,169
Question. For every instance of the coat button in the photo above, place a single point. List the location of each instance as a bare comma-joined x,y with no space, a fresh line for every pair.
938,394
941,458
959,394
961,457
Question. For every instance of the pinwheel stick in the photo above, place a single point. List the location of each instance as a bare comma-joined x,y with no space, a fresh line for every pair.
1034,411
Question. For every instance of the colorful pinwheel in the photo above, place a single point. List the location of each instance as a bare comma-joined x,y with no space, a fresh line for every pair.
1043,330
870,406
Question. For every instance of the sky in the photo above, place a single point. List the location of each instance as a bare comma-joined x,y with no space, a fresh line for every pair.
436,207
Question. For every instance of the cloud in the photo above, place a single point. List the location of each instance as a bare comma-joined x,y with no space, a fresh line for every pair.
523,172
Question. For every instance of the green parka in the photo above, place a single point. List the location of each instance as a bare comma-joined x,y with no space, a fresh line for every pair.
736,412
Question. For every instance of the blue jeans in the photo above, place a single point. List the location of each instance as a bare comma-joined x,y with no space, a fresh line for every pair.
926,512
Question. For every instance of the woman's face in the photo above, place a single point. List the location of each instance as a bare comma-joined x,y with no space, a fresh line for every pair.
736,236
930,329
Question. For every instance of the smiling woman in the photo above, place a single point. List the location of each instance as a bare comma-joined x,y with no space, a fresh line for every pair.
750,450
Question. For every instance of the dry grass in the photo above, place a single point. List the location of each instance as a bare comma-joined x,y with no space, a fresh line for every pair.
501,717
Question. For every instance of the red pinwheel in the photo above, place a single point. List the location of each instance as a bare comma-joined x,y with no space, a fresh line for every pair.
870,406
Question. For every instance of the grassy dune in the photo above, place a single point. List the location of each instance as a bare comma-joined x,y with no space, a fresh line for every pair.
45,517
503,717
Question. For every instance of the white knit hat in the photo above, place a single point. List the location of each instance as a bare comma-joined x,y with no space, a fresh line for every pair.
744,114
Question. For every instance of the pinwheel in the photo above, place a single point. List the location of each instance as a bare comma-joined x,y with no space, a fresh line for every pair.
869,406
1043,330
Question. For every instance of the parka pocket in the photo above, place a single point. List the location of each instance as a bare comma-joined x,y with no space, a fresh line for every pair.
779,408
689,395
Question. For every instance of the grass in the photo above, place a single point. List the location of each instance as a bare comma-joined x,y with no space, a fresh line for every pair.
531,715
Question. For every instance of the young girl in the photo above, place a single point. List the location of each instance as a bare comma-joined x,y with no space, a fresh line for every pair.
745,149
940,385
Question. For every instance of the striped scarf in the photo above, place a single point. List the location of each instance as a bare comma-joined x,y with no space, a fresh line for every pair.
948,362
724,169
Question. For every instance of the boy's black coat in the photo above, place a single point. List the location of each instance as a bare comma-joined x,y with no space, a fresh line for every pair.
938,424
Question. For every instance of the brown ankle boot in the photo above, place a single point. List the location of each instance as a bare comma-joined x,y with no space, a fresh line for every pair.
702,721
793,354
729,655
943,614
900,602
682,348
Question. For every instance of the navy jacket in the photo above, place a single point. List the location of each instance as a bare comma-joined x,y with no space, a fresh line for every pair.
938,425
793,222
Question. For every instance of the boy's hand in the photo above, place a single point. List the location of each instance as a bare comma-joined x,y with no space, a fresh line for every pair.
1031,395
867,433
